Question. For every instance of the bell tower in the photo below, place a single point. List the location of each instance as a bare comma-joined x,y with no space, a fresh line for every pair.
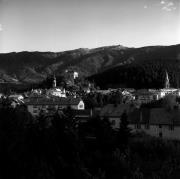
54,82
167,84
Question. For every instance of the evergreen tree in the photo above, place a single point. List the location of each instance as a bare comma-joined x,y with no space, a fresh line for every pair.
124,131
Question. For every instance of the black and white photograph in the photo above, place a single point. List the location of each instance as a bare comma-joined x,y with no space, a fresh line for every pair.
89,89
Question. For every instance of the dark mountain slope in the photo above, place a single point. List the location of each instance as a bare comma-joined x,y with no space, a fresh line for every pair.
147,70
34,67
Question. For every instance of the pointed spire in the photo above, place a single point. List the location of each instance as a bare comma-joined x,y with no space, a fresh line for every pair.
54,81
167,84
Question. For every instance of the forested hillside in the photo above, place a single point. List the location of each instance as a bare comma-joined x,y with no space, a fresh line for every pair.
147,71
111,65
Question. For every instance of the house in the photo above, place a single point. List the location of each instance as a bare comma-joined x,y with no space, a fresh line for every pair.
75,74
45,104
10,102
145,96
57,92
158,122
165,91
114,112
15,103
16,96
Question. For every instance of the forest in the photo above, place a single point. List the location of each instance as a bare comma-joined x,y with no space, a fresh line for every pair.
143,75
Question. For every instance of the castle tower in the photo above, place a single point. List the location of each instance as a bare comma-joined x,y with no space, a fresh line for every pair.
167,84
54,82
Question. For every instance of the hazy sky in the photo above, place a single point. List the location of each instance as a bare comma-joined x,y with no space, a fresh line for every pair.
57,25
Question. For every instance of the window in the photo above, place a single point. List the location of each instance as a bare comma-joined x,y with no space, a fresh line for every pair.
138,126
171,127
50,107
113,122
147,126
35,111
160,126
81,106
160,134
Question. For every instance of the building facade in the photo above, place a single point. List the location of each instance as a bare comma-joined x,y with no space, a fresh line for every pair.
47,105
158,122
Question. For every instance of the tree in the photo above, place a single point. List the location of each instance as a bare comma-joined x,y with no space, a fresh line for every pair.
124,131
169,102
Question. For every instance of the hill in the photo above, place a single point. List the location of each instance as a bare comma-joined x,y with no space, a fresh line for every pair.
143,68
36,66
105,65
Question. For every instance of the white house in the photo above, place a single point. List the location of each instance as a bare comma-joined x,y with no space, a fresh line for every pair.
76,74
16,96
57,92
37,105
166,91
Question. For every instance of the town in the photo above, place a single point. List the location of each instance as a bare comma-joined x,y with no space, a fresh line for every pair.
153,111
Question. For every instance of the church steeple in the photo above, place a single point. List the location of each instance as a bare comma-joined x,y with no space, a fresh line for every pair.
54,82
167,84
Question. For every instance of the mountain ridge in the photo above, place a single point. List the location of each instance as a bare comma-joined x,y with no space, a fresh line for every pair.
34,67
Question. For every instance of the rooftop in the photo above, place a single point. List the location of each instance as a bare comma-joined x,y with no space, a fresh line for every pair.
155,116
113,110
53,101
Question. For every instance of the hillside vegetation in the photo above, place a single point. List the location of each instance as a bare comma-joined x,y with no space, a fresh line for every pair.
108,66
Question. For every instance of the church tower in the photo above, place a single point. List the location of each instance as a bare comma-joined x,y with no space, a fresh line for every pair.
167,84
54,82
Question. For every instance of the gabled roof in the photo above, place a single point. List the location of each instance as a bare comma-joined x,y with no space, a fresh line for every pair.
53,101
139,116
112,110
160,116
144,92
155,116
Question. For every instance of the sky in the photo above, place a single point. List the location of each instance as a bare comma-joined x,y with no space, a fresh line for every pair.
59,25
